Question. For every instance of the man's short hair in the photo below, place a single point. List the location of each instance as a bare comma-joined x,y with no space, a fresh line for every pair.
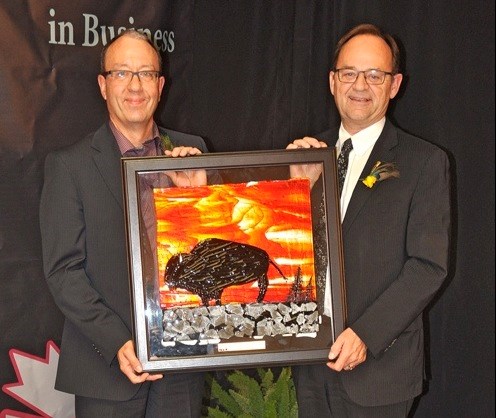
132,33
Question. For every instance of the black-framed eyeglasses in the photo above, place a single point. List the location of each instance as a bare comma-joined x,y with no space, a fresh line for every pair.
127,75
373,76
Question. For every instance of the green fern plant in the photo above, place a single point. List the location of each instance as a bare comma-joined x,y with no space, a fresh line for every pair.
249,397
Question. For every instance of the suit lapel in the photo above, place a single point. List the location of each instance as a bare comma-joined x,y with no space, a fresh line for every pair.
107,159
383,151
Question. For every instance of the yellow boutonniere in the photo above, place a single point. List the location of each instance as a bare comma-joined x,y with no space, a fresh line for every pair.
166,143
380,171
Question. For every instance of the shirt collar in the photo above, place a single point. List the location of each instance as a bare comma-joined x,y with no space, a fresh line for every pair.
363,140
125,144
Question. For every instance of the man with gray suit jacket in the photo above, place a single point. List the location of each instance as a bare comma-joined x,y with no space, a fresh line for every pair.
84,244
395,210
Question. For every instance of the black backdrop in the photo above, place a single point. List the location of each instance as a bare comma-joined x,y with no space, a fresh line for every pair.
253,75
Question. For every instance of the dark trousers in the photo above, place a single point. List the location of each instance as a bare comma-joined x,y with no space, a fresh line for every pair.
175,396
320,393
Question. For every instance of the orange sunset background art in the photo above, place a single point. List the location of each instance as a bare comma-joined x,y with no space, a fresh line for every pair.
274,216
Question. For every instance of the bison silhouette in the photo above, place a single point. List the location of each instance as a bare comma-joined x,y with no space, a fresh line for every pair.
214,264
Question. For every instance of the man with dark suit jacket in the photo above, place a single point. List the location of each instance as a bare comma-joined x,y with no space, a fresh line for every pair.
84,245
395,211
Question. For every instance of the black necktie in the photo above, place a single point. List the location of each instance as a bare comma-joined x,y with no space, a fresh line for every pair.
343,162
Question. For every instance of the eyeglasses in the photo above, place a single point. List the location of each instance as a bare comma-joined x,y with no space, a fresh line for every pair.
349,75
127,75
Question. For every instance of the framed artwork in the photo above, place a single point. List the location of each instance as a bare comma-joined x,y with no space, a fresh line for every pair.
235,259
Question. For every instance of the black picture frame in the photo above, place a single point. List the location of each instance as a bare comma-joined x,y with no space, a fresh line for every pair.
158,349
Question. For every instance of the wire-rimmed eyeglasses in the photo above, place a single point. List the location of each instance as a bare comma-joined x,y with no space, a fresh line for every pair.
127,75
372,76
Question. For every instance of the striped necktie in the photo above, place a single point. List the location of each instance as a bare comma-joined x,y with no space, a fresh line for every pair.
343,162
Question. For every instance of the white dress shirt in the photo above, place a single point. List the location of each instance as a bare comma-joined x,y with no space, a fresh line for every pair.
363,142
